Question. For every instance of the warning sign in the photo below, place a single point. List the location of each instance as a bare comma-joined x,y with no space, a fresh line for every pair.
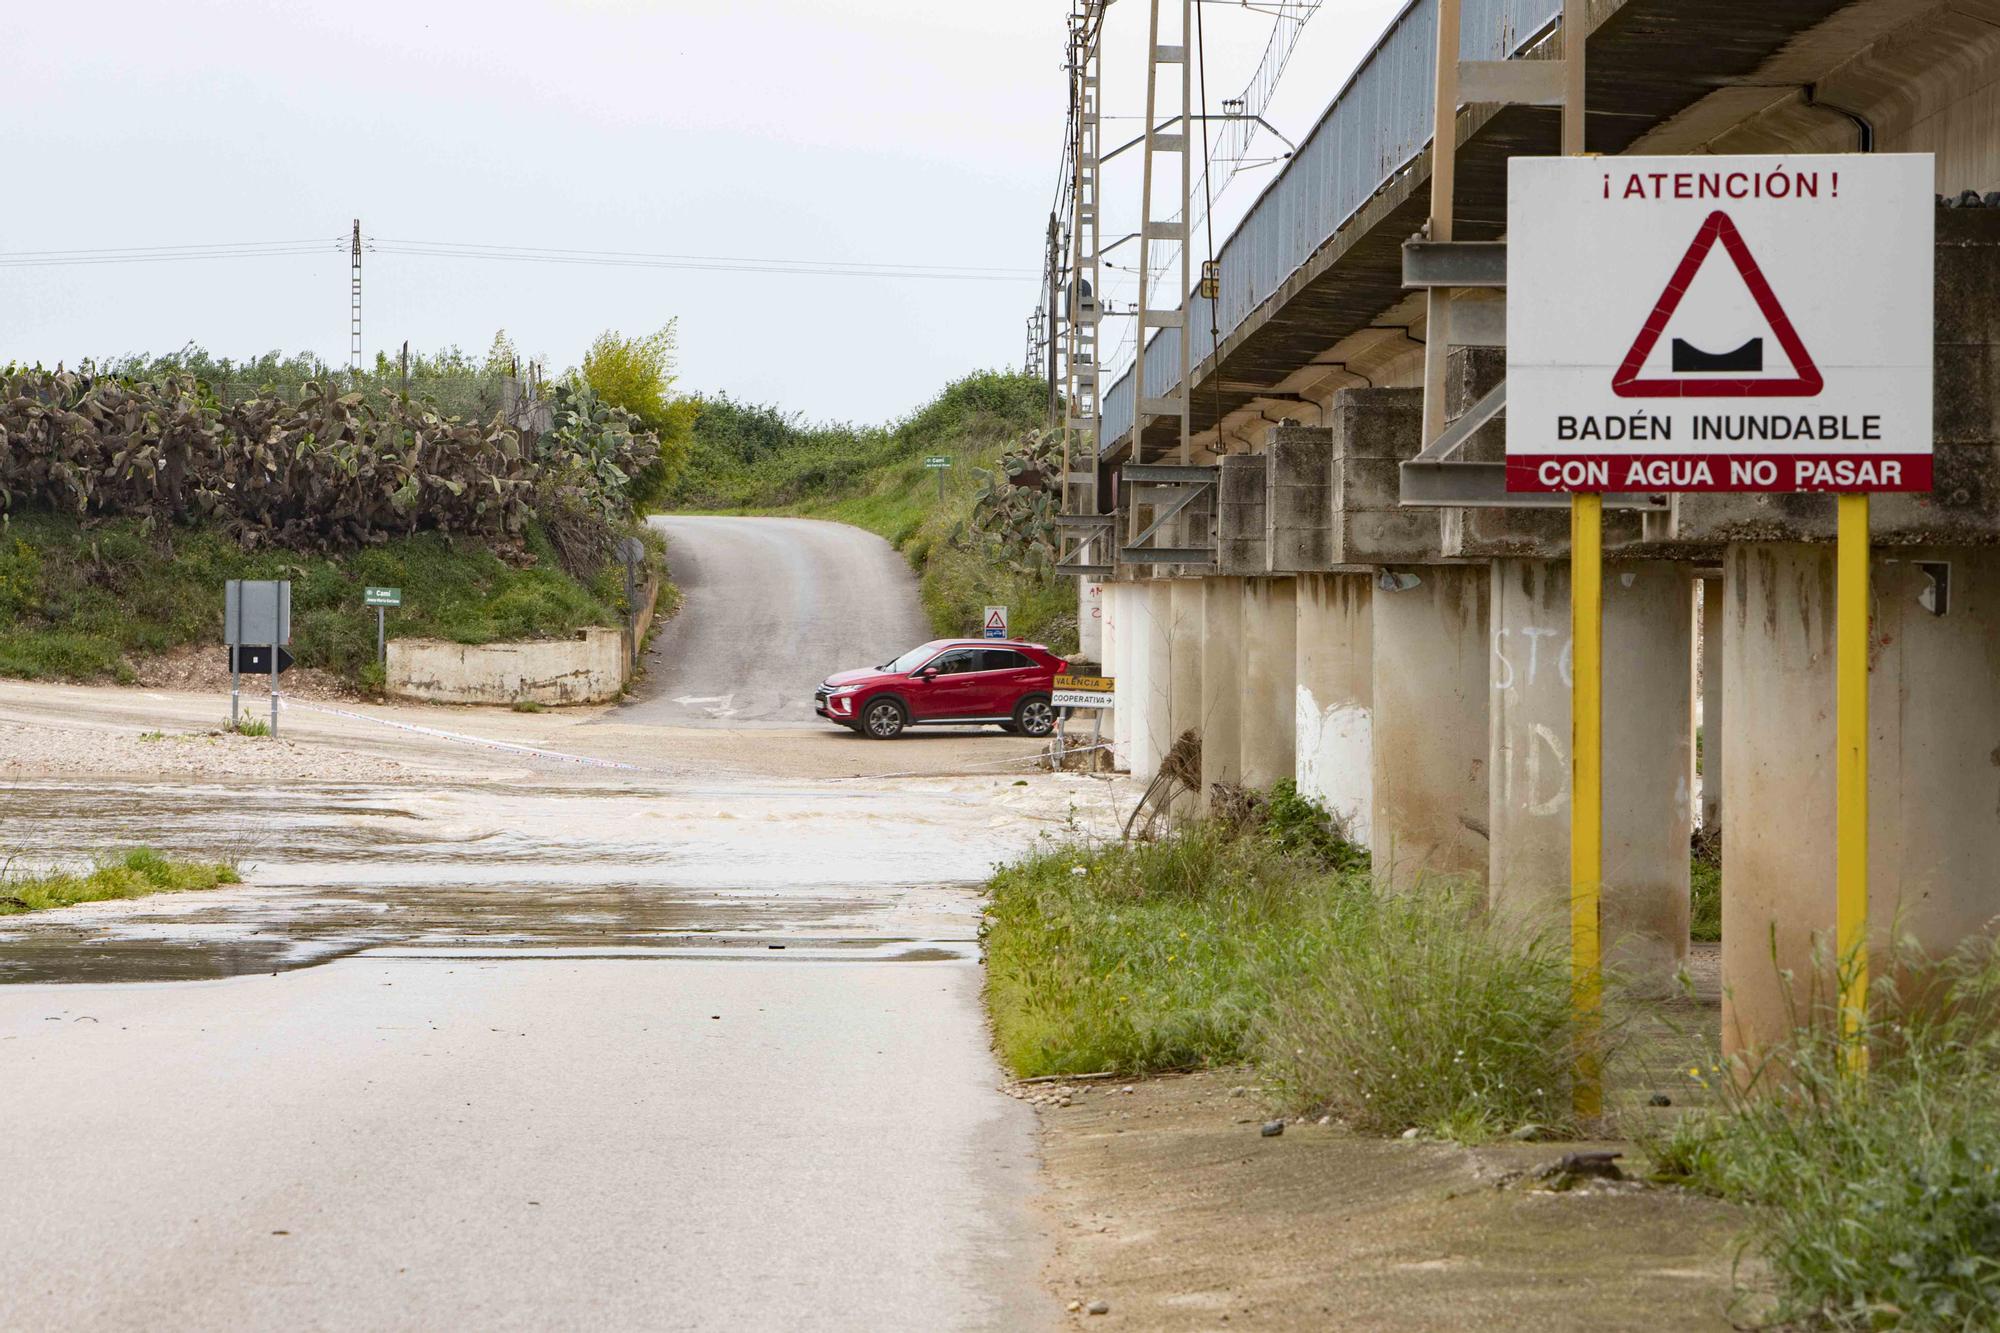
996,622
1719,324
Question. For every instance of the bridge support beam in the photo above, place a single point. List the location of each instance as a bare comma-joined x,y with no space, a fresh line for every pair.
1270,632
1428,750
1648,693
1221,683
1934,781
1333,695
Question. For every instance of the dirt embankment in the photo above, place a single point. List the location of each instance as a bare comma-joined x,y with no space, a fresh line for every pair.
1171,1207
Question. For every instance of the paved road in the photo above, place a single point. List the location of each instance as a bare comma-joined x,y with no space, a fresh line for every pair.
538,1047
773,606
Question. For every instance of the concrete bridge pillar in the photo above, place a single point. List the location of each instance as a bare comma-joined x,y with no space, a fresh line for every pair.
1270,656
1428,750
1221,683
1712,726
1184,630
1155,657
1934,766
1333,692
1648,700
1118,665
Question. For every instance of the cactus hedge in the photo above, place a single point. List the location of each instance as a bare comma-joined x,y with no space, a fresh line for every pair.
330,471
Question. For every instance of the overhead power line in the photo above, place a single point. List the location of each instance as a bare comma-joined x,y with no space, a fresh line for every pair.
148,254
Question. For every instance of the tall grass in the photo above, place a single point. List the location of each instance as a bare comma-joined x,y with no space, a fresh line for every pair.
1215,946
1430,1016
1878,1197
132,875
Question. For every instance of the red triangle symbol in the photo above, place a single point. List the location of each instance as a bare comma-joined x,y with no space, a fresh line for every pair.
1806,379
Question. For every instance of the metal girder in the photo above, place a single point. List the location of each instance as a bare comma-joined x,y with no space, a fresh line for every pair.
1187,497
1433,484
1086,520
1193,556
1458,432
1454,263
1173,473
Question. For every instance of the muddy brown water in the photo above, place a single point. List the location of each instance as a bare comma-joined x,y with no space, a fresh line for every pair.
612,873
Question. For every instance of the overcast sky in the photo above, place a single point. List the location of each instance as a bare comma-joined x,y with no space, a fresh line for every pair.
914,132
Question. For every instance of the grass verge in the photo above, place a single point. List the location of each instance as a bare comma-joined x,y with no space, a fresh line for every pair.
1216,946
1876,1199
80,602
134,875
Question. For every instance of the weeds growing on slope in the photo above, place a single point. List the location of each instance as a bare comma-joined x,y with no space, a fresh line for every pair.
133,875
1216,945
1878,1197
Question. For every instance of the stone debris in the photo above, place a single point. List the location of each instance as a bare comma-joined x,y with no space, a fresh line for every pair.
1272,1128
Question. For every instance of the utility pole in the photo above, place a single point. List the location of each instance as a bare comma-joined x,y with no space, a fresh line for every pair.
354,309
1055,319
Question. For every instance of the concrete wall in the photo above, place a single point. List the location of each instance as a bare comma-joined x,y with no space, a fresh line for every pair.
591,667
1240,527
1333,690
1184,633
1298,499
1269,710
1934,767
1154,642
1648,692
1428,737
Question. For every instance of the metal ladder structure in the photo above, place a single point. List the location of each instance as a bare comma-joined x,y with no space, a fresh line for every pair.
1437,263
1165,492
1086,533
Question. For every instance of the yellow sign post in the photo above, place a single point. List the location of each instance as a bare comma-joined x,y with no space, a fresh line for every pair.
1850,653
1586,816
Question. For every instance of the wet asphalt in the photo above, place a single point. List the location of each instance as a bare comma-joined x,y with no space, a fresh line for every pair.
554,1053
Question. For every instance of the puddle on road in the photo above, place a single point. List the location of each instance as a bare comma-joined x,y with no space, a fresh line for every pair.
336,870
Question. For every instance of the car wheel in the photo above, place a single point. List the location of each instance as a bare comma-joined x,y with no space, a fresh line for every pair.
883,719
1035,715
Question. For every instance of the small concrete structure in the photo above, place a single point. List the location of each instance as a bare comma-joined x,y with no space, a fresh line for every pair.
1428,700
1333,692
1270,629
1298,499
1240,528
593,666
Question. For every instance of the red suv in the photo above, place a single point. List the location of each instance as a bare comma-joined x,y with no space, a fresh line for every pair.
955,682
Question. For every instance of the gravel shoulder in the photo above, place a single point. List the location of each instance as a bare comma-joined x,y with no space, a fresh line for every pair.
1167,1204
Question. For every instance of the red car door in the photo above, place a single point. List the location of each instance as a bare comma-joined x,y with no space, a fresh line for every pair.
949,686
1005,676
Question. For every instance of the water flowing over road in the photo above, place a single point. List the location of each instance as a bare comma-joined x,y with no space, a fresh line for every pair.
664,1042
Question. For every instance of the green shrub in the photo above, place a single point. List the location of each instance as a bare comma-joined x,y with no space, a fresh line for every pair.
1878,1197
1301,826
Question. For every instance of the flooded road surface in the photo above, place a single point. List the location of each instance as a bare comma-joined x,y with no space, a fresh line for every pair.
599,1054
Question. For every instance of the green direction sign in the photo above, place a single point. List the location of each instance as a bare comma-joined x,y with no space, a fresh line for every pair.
382,597
937,460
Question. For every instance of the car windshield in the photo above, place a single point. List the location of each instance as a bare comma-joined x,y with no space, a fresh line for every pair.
911,660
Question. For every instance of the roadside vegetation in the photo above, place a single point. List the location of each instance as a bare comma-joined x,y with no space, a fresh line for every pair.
1876,1199
966,551
129,494
132,875
1271,943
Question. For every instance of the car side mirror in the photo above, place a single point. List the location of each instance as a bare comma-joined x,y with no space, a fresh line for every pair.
928,673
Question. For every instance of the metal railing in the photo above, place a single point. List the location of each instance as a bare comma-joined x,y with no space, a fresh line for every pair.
1375,127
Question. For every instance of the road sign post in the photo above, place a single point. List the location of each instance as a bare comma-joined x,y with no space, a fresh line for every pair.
939,463
381,599
995,622
1760,324
256,618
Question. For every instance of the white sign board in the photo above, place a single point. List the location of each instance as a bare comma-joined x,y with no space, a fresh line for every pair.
257,611
1719,323
996,622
